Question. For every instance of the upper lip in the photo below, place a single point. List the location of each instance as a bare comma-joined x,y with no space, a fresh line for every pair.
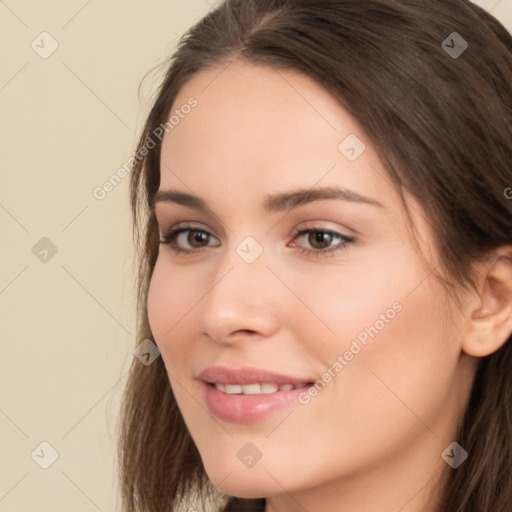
246,375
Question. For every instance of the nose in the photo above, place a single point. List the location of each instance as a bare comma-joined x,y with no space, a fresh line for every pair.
241,302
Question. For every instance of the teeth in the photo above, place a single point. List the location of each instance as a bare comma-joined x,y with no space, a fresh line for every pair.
251,389
233,389
254,389
271,388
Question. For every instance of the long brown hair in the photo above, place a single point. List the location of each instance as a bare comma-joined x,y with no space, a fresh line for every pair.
441,124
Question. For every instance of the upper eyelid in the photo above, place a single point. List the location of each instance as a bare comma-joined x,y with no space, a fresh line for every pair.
183,226
162,213
160,216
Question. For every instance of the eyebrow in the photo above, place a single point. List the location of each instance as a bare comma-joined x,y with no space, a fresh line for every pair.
273,203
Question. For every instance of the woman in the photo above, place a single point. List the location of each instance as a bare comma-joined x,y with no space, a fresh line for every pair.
332,291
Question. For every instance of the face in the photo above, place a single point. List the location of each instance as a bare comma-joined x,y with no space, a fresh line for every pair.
324,294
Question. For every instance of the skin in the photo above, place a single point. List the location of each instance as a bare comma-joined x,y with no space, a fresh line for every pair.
372,439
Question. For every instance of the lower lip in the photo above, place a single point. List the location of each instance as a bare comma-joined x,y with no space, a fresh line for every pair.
247,408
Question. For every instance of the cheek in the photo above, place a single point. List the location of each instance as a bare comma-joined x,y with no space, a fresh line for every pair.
171,296
393,388
385,322
159,304
344,302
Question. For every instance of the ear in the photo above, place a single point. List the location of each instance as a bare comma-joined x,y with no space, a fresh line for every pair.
489,323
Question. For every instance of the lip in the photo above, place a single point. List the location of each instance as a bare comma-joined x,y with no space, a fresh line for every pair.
247,375
247,408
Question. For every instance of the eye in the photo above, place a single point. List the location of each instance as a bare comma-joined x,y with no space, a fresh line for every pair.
321,241
194,239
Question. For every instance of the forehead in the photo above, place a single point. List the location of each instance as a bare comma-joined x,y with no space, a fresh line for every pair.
265,130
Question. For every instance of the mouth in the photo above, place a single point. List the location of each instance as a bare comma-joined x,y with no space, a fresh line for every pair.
244,395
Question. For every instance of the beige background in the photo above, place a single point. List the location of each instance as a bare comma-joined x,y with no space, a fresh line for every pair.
67,123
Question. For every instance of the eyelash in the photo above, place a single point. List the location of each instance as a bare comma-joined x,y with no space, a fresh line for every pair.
170,236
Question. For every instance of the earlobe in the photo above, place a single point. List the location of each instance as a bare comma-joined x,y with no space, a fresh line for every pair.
489,323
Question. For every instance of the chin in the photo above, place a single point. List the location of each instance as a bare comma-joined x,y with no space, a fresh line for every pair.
243,482
248,490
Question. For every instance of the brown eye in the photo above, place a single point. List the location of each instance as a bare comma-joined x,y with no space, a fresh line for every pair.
197,239
319,239
188,240
321,242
